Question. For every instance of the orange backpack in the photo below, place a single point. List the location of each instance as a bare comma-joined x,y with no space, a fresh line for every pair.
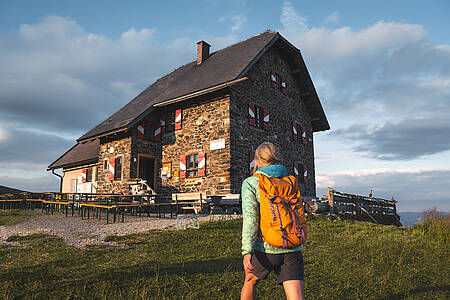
282,220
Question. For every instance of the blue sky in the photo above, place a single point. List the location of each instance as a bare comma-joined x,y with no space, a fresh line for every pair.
381,69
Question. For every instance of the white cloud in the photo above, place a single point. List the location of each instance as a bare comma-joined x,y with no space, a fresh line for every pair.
56,68
291,20
239,21
333,18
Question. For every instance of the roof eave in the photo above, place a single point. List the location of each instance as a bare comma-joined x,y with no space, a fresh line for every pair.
72,165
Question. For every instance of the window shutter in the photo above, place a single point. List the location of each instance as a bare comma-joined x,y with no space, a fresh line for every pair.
178,119
252,161
251,114
157,133
162,121
141,130
111,168
266,119
183,166
304,140
83,175
305,174
296,170
294,131
201,164
283,85
273,78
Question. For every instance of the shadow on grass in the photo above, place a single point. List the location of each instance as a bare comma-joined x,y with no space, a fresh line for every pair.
120,277
418,291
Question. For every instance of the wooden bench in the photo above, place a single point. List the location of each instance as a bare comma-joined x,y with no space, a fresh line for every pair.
187,201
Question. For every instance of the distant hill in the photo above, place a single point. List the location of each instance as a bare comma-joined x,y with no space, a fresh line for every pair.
8,190
409,218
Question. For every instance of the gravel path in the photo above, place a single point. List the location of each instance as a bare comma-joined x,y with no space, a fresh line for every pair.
80,233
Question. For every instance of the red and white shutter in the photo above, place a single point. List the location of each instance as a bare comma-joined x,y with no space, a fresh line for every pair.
294,131
251,114
141,130
111,168
252,160
273,79
83,175
283,85
266,119
178,119
157,132
305,174
183,166
162,122
296,170
304,140
201,164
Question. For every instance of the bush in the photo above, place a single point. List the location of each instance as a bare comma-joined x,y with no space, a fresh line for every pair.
434,225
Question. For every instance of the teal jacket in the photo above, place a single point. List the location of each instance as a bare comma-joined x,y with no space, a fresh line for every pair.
250,213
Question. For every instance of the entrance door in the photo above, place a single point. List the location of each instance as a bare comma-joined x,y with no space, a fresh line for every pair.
147,170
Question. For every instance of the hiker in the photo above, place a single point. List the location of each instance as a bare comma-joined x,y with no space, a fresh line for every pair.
260,257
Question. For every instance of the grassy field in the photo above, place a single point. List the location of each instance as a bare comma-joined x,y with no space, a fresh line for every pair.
13,217
343,260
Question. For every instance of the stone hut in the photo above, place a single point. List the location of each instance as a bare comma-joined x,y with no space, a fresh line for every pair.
196,129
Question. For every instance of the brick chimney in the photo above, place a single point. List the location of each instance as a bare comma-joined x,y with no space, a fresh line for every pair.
202,51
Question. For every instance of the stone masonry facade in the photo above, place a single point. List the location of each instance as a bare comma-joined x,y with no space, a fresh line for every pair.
215,117
283,108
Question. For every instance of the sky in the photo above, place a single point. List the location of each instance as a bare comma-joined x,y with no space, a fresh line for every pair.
381,70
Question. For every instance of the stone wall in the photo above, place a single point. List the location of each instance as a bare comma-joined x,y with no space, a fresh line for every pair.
204,119
283,108
122,147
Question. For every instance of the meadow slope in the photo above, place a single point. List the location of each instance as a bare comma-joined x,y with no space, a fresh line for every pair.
343,260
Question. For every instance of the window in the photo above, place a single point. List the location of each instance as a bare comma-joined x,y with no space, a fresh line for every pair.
192,165
170,122
105,165
89,175
148,131
118,168
259,117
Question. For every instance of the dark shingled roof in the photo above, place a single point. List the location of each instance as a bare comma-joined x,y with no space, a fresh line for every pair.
81,153
222,66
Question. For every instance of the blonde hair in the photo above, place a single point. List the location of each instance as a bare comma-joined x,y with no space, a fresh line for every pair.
265,155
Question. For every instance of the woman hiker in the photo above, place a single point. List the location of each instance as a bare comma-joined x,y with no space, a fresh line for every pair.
260,257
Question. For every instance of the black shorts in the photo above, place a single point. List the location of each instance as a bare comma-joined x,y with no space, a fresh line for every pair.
288,266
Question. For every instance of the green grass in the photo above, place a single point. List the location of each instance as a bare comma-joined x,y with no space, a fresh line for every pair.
13,217
343,260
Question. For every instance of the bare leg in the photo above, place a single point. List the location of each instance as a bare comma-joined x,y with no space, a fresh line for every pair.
294,289
249,289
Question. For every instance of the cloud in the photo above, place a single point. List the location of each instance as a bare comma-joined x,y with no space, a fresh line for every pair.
333,18
292,22
30,146
239,21
387,75
57,76
415,189
404,140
